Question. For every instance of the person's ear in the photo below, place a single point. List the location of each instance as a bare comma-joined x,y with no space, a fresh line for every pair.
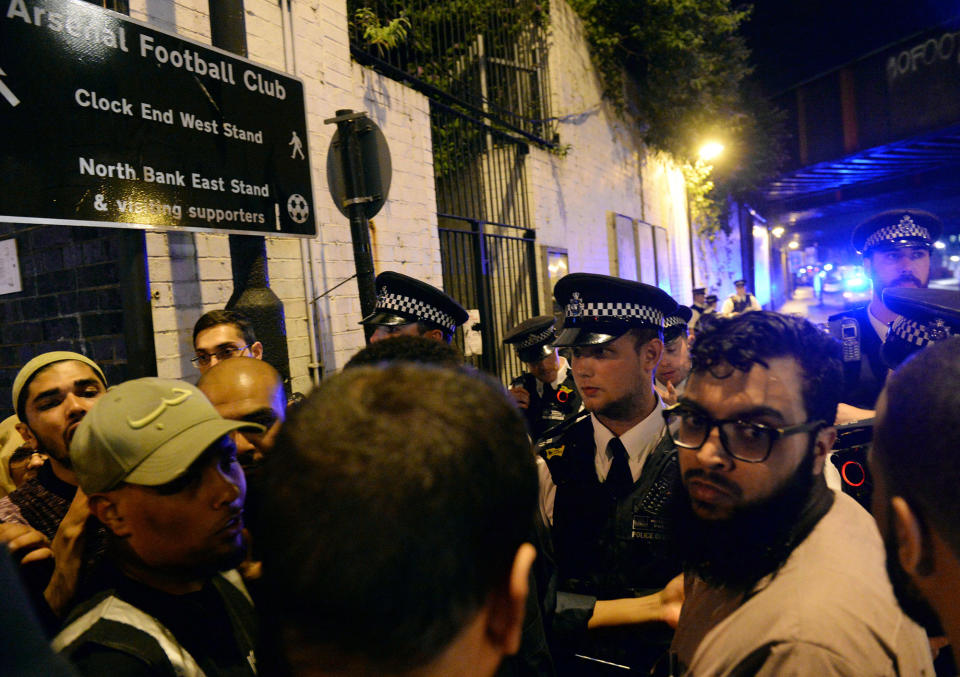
912,551
105,509
822,444
29,438
256,350
507,605
650,354
434,334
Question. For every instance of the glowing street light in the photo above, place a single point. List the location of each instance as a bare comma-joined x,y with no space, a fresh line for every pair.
710,150
778,231
794,244
940,245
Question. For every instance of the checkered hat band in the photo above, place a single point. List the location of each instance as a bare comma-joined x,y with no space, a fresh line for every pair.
911,332
538,337
415,307
673,321
617,311
905,228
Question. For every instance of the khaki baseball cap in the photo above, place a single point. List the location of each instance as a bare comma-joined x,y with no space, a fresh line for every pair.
147,431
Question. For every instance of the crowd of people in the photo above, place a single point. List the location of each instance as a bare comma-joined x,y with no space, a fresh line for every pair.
653,496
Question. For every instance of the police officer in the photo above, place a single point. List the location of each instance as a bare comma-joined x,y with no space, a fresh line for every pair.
608,477
698,307
741,301
674,367
409,307
896,254
546,393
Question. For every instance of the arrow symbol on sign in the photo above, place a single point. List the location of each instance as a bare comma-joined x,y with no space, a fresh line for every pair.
7,94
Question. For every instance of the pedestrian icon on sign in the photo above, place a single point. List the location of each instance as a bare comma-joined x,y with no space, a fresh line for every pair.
297,146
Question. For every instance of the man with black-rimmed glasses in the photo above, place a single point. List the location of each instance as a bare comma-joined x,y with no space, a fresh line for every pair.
784,576
221,334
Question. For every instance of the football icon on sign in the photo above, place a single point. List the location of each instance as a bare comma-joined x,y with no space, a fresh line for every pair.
297,208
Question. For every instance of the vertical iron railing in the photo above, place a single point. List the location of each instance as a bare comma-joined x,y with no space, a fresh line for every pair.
487,57
491,267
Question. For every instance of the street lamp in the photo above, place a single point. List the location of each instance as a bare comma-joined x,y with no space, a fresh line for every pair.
794,244
778,231
710,150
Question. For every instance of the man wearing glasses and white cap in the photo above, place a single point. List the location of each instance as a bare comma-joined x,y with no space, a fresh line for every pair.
608,478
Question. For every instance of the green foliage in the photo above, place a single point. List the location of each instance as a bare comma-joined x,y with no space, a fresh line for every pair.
682,68
383,37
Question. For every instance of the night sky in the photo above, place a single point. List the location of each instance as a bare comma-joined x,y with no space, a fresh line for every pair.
796,40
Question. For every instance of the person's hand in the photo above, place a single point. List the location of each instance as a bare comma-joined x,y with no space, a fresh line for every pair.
671,601
68,544
670,398
849,414
250,569
521,395
25,543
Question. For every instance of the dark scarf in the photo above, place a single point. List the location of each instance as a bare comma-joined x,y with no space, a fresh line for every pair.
739,551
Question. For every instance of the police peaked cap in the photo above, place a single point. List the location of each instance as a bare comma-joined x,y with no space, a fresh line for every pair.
533,338
926,316
699,290
897,228
402,299
737,283
599,308
676,322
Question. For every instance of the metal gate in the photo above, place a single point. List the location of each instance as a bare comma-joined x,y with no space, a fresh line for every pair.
487,247
491,267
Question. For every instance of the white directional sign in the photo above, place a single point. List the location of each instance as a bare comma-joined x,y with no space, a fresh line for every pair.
107,121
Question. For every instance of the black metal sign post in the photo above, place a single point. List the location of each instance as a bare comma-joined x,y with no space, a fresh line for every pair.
106,121
359,172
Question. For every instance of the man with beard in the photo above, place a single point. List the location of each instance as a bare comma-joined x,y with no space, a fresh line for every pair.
896,253
783,576
607,479
914,466
51,395
161,472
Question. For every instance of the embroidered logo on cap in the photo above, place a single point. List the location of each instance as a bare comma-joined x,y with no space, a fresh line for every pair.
575,307
156,413
906,227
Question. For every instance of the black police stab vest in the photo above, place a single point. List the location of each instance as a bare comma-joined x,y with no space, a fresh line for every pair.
607,548
552,408
740,305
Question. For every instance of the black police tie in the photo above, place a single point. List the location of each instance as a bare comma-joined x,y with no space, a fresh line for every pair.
619,481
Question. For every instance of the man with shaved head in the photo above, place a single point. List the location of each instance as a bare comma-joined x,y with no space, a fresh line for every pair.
247,389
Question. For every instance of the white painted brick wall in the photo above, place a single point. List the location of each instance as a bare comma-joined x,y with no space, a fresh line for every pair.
570,196
607,168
